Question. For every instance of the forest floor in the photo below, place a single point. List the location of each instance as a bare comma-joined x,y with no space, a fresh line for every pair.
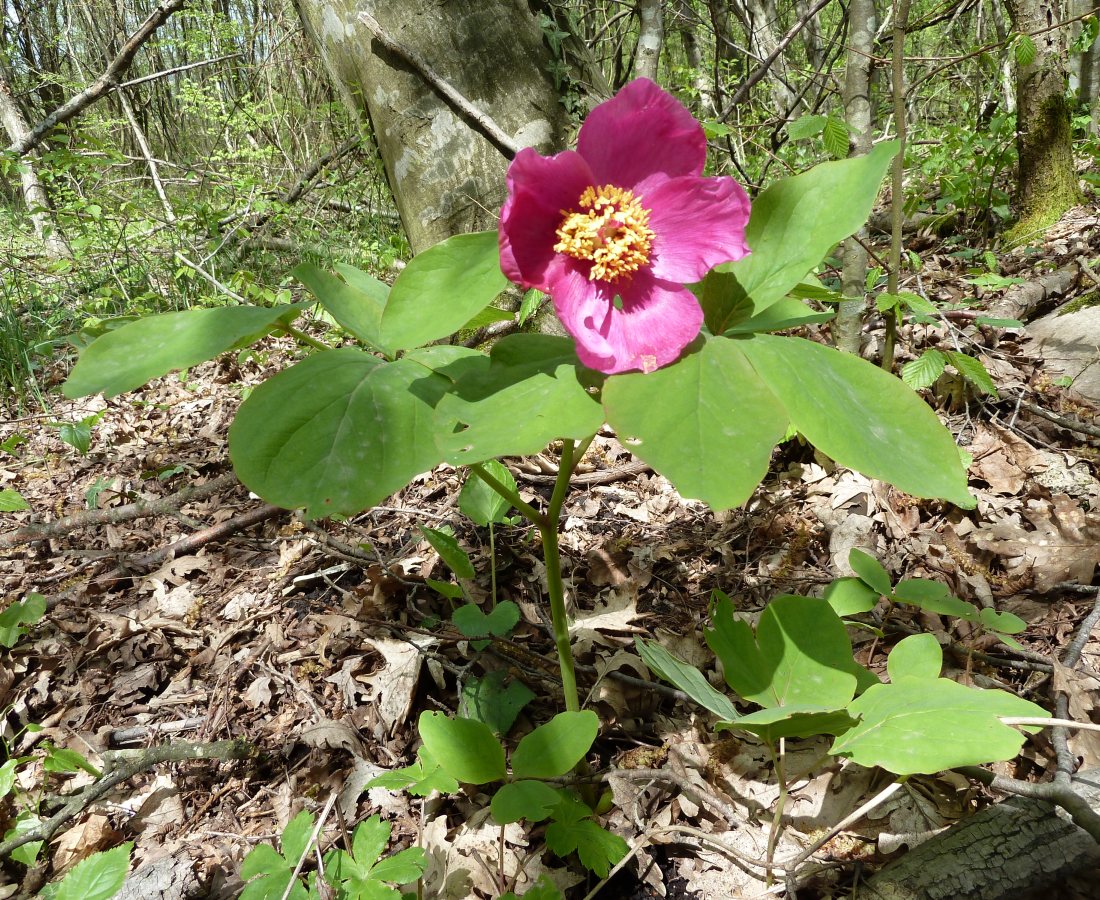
212,617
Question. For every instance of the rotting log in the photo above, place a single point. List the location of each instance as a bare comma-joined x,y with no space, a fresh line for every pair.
1000,853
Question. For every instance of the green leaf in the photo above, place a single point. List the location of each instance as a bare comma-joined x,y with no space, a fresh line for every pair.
466,750
861,416
805,127
473,623
12,501
524,396
23,612
555,748
800,655
443,288
61,759
530,800
532,300
1004,622
99,877
403,867
686,677
850,596
7,777
338,432
835,137
794,224
356,302
543,889
493,701
28,853
488,316
295,840
791,722
870,570
973,371
147,348
369,840
782,314
420,779
707,423
77,435
917,656
995,322
933,597
919,724
597,848
479,502
924,370
454,557
1025,49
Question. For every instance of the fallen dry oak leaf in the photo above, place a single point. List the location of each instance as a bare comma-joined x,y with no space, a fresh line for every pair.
1063,543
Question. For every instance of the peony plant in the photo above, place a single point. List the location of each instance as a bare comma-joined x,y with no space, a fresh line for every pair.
670,292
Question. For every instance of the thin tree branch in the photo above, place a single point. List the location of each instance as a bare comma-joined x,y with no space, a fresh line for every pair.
122,766
103,85
482,122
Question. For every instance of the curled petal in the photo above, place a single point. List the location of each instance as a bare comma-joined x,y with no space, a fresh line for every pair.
539,188
657,319
698,223
641,136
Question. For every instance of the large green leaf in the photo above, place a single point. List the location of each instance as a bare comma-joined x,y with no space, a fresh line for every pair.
466,749
707,423
790,722
441,289
338,432
555,748
861,416
800,655
356,302
920,724
794,223
527,394
125,359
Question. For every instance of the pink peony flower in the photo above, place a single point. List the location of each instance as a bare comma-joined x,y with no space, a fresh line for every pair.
614,230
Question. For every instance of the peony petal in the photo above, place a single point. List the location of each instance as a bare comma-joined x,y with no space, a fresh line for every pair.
539,188
640,137
657,320
698,223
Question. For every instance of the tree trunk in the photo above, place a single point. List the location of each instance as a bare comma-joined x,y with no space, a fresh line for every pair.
34,194
1000,853
446,178
759,18
651,37
1046,184
857,113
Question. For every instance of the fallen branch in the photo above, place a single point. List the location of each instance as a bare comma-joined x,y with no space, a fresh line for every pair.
113,516
203,536
103,85
122,766
482,122
1071,424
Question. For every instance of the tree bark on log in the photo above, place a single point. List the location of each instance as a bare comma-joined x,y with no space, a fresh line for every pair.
1000,853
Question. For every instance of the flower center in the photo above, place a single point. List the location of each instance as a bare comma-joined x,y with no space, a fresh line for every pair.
611,229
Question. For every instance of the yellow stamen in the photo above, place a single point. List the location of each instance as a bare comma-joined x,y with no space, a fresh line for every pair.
612,231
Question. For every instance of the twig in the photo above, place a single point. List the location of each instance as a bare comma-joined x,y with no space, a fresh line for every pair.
120,736
1062,421
105,83
1077,645
123,766
175,70
204,536
137,510
312,840
606,476
483,122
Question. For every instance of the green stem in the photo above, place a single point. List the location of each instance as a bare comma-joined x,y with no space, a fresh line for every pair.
552,557
528,511
780,803
303,337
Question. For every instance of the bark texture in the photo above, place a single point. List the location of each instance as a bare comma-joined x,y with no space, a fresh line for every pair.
1047,181
445,177
857,114
1001,853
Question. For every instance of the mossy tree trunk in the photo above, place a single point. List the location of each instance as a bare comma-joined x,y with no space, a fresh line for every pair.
1046,184
446,178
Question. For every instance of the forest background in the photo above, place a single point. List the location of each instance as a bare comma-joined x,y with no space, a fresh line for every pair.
185,155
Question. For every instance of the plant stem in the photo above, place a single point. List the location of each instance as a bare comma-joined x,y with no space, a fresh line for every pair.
780,803
552,557
897,197
303,337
